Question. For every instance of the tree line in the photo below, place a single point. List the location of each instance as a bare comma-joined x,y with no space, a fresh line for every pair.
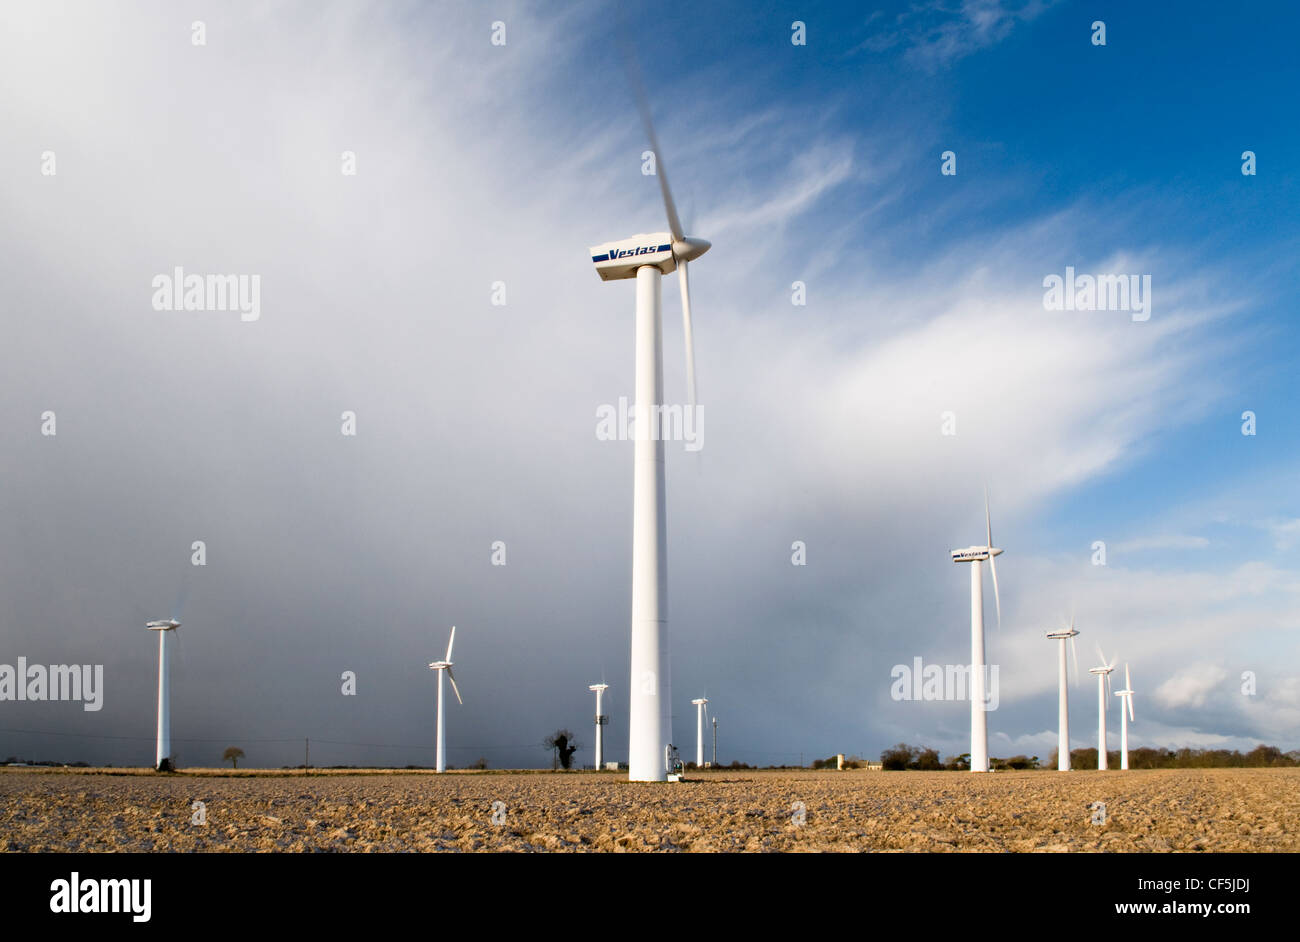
903,757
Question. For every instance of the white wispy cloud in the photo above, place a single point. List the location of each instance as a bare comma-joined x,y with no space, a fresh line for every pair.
936,33
1162,541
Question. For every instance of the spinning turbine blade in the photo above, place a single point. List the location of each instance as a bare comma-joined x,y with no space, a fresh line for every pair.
993,566
988,521
997,599
643,106
686,330
1128,685
1074,654
450,642
454,688
182,597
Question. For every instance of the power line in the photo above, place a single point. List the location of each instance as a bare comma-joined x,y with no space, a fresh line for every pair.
331,742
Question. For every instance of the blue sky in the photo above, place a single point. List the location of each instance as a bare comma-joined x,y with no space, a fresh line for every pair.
818,163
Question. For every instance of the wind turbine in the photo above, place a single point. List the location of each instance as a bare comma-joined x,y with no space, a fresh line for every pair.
700,710
1127,701
647,258
979,731
445,666
1063,708
601,721
162,755
1103,686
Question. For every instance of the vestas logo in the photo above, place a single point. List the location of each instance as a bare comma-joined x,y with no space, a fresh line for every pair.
630,253
963,555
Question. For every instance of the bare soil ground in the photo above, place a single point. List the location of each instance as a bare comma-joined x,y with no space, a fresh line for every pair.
1165,810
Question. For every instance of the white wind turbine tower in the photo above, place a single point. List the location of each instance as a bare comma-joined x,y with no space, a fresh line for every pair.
700,710
647,258
444,666
1127,701
1103,686
1063,707
601,721
975,555
162,756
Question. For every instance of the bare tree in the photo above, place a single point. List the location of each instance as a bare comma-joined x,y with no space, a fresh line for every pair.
565,746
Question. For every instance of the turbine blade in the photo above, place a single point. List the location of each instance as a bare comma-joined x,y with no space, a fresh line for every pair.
1074,653
1129,698
686,330
997,598
182,596
643,106
454,688
450,642
988,521
1128,683
993,566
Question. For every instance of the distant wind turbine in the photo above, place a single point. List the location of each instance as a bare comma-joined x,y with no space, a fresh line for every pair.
1103,687
975,555
1063,706
601,721
700,710
444,666
1126,700
163,752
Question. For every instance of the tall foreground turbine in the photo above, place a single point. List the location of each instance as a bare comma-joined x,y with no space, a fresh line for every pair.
1063,705
975,555
647,258
444,666
1126,700
601,721
1103,685
162,755
700,710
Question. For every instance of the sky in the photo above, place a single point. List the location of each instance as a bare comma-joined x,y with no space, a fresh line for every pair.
484,171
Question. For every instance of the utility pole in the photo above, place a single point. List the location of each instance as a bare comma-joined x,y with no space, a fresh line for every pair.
715,742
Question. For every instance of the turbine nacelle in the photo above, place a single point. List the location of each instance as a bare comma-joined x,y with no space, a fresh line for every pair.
621,259
166,624
974,553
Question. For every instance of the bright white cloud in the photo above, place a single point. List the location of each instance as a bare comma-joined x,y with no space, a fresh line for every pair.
1191,687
